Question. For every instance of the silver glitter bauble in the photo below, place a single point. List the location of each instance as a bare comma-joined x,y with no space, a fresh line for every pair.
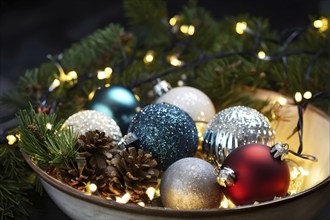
190,183
234,127
90,120
166,131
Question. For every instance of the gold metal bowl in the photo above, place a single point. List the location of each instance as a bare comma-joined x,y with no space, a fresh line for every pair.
303,205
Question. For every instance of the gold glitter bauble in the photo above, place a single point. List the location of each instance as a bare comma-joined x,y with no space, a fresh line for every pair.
190,183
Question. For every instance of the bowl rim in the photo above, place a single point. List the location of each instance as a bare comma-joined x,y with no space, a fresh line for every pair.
169,212
163,211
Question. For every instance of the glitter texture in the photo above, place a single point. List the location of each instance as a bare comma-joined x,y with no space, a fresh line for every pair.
90,120
190,183
234,127
193,101
166,131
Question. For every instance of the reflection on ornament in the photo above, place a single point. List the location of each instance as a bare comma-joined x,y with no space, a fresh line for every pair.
234,127
297,174
117,102
90,120
166,131
196,103
201,126
258,176
190,183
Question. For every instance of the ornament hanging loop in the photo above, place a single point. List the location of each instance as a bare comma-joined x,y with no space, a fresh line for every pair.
305,156
282,151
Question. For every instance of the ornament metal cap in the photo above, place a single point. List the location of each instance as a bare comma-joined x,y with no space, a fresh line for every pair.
226,177
161,87
128,139
280,150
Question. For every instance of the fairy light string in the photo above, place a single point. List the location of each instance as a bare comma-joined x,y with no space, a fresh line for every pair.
178,65
302,102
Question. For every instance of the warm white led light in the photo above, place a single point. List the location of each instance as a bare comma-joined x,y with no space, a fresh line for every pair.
241,27
298,97
261,55
308,95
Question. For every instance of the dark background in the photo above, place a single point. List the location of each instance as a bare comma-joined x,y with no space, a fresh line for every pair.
32,29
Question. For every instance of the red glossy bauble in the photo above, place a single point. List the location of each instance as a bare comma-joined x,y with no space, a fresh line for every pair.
259,176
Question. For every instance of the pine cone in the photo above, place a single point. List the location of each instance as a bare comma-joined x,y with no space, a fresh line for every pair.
138,171
98,148
95,150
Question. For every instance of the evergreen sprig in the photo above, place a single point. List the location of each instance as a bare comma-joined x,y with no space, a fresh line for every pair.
14,182
43,139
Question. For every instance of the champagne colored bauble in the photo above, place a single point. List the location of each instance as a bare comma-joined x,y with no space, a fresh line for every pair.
259,177
166,131
118,103
90,120
234,127
190,183
196,103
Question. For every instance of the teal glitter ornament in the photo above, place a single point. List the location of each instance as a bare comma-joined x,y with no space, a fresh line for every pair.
166,131
117,102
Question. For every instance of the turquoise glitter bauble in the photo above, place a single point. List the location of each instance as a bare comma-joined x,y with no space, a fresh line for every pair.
117,102
166,131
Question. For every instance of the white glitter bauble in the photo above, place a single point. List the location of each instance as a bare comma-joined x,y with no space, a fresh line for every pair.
193,101
90,120
234,127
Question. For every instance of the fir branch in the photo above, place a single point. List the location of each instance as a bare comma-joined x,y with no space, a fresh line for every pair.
42,139
148,20
206,27
13,184
61,147
13,200
11,162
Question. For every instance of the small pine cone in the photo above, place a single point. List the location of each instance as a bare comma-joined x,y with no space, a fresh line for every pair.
98,148
73,178
138,170
114,181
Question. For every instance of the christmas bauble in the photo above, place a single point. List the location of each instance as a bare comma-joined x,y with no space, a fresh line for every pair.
190,183
233,127
117,102
196,103
258,176
90,120
166,131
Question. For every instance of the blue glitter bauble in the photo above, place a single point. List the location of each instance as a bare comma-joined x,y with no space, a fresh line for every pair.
117,102
166,131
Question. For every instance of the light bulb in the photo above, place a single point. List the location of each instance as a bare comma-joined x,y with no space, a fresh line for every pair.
308,95
321,24
298,97
261,55
11,139
149,57
241,27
